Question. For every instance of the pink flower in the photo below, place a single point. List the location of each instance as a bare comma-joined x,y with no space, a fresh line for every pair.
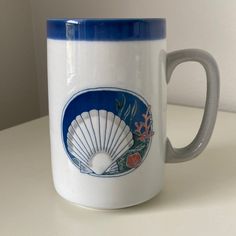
133,160
144,129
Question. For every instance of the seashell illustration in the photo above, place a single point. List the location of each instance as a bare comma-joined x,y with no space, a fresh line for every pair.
98,138
107,132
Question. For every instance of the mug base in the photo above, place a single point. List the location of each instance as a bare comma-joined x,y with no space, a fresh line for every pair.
97,208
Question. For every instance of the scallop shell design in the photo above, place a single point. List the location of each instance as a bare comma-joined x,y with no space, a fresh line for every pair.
98,138
107,132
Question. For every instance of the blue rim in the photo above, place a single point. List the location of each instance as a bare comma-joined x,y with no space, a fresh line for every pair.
106,29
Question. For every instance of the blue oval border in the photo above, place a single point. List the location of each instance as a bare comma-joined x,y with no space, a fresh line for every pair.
97,89
106,29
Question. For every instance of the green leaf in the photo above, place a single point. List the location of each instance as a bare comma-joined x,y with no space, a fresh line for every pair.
127,112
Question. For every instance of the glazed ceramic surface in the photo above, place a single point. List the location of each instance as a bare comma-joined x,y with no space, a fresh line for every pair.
107,100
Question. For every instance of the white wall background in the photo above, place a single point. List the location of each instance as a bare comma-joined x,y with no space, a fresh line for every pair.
18,85
206,24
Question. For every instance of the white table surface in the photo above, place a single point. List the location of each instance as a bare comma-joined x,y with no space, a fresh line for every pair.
199,197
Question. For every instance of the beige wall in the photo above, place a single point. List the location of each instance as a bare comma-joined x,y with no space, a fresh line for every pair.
18,84
206,24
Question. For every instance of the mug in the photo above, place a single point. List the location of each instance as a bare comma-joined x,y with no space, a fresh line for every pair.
107,81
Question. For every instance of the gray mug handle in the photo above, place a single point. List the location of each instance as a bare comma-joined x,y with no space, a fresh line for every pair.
174,155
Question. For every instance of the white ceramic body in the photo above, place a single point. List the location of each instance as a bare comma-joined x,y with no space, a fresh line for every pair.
138,66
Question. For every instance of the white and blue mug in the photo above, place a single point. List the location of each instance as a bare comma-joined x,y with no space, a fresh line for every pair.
107,104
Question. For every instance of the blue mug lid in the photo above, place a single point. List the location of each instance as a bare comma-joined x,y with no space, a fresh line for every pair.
107,29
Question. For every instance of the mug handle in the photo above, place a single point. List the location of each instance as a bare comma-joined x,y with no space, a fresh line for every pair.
174,155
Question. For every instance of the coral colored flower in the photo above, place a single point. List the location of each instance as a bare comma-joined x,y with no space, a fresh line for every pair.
133,160
144,129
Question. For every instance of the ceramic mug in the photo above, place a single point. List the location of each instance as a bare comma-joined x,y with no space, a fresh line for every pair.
107,83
